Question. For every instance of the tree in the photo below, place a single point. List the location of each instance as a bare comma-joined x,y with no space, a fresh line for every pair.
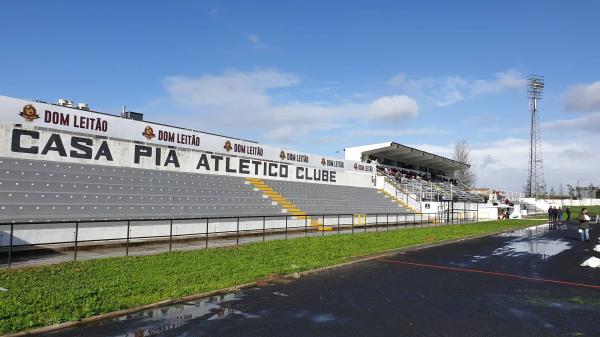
561,190
462,154
552,192
571,190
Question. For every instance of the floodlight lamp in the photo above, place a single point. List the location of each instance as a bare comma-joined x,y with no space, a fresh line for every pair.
536,84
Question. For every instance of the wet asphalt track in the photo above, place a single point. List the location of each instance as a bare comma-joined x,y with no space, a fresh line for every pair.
532,286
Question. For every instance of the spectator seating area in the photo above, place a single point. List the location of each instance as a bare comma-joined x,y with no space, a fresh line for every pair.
33,190
333,199
428,187
38,191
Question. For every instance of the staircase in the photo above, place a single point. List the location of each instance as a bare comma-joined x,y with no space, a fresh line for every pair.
399,201
401,197
284,203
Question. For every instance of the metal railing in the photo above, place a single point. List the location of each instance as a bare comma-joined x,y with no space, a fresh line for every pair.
392,188
432,191
221,231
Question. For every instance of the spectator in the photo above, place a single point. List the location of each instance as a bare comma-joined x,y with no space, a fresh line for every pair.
559,214
584,225
568,210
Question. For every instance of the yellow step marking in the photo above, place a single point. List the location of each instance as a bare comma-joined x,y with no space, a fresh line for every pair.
285,204
398,201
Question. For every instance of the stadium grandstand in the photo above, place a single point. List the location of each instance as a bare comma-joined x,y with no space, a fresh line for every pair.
423,175
64,164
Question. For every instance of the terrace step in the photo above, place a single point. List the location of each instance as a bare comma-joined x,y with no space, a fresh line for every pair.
286,204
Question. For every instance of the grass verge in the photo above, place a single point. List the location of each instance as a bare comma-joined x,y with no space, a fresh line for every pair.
575,210
71,291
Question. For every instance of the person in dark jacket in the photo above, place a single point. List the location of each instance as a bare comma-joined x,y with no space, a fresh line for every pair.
568,210
584,225
559,215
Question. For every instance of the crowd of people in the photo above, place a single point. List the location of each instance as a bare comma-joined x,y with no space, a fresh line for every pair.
401,174
555,214
501,198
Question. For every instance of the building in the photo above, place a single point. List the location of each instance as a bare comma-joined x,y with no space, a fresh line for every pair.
405,157
587,192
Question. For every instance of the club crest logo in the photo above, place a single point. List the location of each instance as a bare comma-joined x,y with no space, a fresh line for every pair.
148,133
282,155
323,161
29,113
227,146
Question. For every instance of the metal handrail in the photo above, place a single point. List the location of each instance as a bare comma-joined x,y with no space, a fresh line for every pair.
381,219
405,193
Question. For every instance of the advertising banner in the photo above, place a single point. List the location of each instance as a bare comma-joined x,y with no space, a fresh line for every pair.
60,146
38,114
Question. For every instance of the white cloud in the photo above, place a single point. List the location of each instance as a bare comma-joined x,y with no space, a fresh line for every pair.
448,90
231,90
586,123
488,161
256,41
509,80
393,108
583,98
253,38
394,133
242,100
503,164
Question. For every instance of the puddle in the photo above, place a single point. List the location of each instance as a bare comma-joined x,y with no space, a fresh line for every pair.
527,232
544,248
323,318
156,321
529,241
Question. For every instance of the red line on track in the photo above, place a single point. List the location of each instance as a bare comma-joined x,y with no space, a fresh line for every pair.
583,285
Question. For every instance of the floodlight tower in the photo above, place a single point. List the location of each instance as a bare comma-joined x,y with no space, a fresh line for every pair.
535,185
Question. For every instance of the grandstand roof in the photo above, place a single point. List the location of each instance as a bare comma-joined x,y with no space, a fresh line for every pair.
403,153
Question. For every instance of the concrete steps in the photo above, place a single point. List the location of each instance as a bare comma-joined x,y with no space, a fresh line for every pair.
287,205
399,202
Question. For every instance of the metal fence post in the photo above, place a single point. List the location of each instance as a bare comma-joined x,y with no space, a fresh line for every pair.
305,225
366,222
286,226
352,224
10,244
338,224
127,244
206,236
376,221
387,221
323,234
237,236
76,235
264,228
171,235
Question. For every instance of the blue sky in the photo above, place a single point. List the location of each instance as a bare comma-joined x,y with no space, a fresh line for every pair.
320,76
